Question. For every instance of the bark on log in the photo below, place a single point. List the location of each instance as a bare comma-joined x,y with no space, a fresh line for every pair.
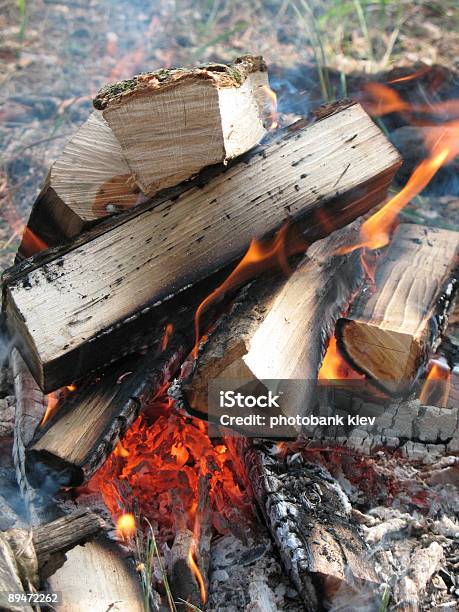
390,334
309,517
96,576
87,425
53,540
67,311
30,556
30,407
173,123
89,181
278,329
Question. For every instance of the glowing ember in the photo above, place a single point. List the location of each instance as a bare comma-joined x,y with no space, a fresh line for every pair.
260,256
413,75
435,391
159,464
125,526
272,98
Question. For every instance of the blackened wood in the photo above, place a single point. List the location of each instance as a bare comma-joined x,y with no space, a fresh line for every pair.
89,423
68,312
309,517
390,333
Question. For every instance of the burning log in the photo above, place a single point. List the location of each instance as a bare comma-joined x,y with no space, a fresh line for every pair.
98,577
278,330
173,123
27,557
390,334
70,310
90,180
309,517
86,427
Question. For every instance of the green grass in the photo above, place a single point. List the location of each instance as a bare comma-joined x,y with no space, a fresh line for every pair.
23,18
330,29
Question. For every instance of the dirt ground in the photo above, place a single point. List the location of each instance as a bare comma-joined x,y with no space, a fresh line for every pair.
55,55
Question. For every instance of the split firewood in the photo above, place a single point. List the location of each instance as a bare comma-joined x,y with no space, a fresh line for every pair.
31,405
278,330
28,557
310,520
70,311
97,576
173,123
390,334
87,425
90,180
10,578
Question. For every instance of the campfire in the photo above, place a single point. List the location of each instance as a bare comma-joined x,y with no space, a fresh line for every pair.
228,352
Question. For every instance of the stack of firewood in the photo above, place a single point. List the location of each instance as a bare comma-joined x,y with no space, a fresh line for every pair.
146,211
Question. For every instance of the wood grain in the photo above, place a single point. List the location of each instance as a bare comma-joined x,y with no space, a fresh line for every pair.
390,334
62,312
89,181
173,123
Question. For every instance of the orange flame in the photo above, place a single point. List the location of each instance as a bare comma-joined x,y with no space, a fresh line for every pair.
437,385
272,99
381,100
125,526
443,143
260,256
167,336
196,571
334,367
53,400
31,243
413,75
120,451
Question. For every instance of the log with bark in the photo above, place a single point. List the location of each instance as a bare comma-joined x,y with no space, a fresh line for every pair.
172,123
309,517
278,330
89,180
389,334
87,425
70,311
31,405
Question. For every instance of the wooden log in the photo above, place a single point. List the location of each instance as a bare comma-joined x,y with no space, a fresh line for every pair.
278,329
86,427
52,540
390,334
31,405
173,123
69,311
30,556
96,576
10,579
310,520
90,180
